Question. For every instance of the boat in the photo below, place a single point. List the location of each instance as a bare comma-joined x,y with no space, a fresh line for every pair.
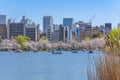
35,51
18,51
75,51
83,49
90,51
56,52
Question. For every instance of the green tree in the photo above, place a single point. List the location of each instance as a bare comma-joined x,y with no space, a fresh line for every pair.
21,40
87,39
27,38
113,42
44,39
96,34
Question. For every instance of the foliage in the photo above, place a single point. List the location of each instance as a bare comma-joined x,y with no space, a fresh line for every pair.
104,68
113,42
21,40
27,38
96,34
107,67
44,39
87,39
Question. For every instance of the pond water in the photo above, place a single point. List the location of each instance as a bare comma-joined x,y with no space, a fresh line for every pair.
44,65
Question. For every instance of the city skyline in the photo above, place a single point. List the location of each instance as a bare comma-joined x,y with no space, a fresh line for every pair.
107,11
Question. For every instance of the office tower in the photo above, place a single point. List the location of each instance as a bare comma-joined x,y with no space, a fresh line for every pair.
108,28
3,19
48,26
54,36
38,31
55,27
25,20
64,33
16,29
31,31
61,33
85,30
68,22
118,25
3,26
101,29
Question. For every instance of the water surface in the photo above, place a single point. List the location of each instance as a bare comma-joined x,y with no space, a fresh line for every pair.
44,66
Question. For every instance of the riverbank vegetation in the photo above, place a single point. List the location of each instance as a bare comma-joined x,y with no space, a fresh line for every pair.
107,66
24,43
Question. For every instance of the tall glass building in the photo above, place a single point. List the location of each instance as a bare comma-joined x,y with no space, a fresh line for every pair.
47,26
47,23
68,22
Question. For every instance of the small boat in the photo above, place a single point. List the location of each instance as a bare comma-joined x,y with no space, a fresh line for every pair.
56,52
35,51
75,51
83,49
18,51
90,51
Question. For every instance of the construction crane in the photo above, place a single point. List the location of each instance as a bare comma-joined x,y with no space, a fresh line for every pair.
15,18
90,21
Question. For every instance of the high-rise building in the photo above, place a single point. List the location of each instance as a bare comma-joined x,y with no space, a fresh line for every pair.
64,33
48,26
3,19
3,31
26,28
61,33
85,30
38,31
101,29
118,25
54,36
31,31
68,23
25,20
55,27
16,29
108,28
3,26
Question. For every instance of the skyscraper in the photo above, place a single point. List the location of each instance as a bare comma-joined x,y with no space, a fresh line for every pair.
108,28
48,26
31,31
3,19
16,29
68,22
3,26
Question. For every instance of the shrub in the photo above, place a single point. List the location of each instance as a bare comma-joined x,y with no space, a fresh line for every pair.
87,39
96,34
21,40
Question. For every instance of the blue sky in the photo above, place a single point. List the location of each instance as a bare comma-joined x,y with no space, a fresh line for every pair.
105,10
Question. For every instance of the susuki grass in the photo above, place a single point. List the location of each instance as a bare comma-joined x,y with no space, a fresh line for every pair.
107,66
104,68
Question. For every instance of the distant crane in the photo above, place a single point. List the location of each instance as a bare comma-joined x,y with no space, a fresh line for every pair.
14,19
90,21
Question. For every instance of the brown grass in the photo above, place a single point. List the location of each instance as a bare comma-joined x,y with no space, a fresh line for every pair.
105,67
